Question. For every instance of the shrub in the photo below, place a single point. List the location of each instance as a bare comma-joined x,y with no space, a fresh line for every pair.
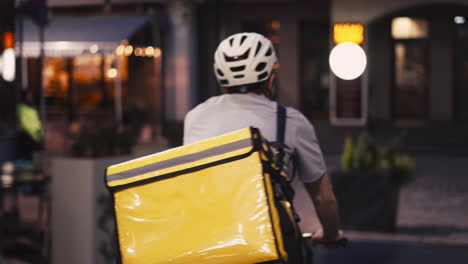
368,156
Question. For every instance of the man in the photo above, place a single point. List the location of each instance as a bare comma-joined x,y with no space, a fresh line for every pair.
244,66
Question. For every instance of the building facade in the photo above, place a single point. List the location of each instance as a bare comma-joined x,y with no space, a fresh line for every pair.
98,59
414,82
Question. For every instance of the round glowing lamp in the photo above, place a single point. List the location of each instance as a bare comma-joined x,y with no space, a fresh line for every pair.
8,65
348,60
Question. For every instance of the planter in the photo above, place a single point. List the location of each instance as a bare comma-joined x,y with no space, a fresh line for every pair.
82,223
368,201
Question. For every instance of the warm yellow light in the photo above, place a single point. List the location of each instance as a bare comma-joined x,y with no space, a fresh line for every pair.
138,52
149,51
409,28
49,72
128,50
94,48
157,52
275,25
120,50
348,32
112,73
8,40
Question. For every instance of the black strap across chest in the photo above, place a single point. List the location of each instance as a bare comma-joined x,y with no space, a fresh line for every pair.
280,132
280,123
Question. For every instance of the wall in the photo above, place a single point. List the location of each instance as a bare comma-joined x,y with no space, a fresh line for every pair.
290,15
441,70
376,17
366,10
380,70
179,65
81,210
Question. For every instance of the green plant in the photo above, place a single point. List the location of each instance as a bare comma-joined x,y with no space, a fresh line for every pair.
368,156
101,140
347,158
29,122
365,154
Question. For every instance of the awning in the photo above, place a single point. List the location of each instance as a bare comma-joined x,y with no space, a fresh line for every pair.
73,36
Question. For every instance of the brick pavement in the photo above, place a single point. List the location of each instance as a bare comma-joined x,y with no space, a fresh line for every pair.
432,209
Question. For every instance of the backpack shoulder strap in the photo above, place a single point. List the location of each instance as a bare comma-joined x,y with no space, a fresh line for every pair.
280,131
280,137
280,123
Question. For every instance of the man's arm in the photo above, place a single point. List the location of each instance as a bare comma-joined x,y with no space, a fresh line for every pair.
325,203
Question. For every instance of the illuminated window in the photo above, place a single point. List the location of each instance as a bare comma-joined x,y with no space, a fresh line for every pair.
409,28
86,81
56,80
348,32
94,76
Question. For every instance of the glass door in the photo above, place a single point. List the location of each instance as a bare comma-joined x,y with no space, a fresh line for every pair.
410,95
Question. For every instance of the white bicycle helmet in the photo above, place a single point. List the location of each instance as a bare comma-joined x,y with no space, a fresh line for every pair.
244,58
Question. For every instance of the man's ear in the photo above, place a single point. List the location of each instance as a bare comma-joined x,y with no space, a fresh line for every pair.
224,90
271,80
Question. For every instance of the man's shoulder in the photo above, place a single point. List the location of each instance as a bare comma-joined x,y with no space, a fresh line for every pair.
295,114
208,102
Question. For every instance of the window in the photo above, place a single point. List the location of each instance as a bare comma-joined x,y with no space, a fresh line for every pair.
85,81
314,70
410,49
56,80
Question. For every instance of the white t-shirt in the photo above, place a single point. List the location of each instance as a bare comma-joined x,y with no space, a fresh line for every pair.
229,112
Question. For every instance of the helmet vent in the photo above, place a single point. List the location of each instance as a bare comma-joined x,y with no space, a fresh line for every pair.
238,69
262,76
259,46
220,72
268,53
224,82
243,39
237,58
231,41
260,67
239,76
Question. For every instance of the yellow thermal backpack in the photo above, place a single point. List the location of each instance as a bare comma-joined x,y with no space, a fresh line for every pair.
217,201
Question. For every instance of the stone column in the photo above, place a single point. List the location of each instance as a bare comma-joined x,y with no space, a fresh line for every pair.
180,82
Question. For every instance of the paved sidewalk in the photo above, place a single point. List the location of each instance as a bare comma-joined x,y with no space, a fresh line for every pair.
432,220
392,252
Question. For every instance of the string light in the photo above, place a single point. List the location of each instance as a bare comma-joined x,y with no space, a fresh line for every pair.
94,48
149,51
138,52
128,50
157,52
112,73
120,50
